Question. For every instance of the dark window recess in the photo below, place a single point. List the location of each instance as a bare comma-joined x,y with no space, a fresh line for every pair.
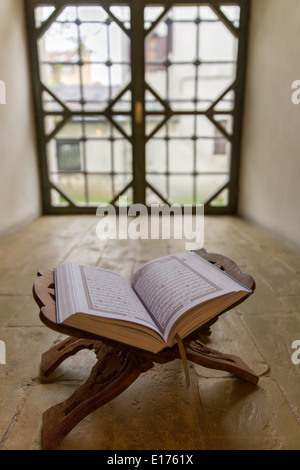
68,156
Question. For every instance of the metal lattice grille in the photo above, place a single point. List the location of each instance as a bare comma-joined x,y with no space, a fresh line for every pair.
148,98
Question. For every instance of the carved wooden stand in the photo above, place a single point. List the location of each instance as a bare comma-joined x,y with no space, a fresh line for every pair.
118,365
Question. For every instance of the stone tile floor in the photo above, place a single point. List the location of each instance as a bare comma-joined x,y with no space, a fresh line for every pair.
218,411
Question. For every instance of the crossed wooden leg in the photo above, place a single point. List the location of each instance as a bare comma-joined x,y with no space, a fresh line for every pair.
208,357
109,377
114,371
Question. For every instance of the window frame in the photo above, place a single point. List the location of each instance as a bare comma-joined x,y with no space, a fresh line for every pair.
138,137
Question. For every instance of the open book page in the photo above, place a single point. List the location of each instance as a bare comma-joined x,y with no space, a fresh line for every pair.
99,292
174,284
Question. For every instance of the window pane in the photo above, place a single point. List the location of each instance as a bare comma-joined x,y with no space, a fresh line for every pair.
183,44
71,130
68,14
119,44
156,156
213,155
120,182
122,156
157,79
41,14
99,188
213,79
226,104
181,126
181,156
68,156
204,127
119,78
216,42
93,42
91,14
152,123
225,121
159,182
73,185
182,82
124,122
232,12
181,189
50,123
64,81
97,127
207,185
64,155
206,13
186,13
57,200
151,13
152,103
122,13
221,199
49,103
59,43
98,155
95,91
124,103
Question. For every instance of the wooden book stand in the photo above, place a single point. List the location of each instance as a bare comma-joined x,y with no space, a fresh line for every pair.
118,365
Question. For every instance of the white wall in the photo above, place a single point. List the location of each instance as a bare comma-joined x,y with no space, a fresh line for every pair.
19,180
270,167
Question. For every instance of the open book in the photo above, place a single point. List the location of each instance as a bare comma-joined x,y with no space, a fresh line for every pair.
169,297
